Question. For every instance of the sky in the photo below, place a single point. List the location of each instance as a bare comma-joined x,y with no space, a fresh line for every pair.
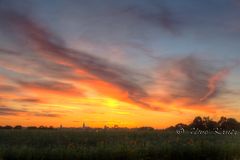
129,63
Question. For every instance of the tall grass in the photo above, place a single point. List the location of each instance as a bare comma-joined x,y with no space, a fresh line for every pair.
115,144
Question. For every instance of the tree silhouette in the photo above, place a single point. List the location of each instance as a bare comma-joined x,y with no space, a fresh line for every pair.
32,127
222,123
197,123
209,124
7,127
232,123
18,127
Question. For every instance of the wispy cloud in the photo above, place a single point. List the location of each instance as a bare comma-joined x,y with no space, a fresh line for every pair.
214,82
10,111
6,51
53,87
53,115
29,100
159,15
8,88
6,111
192,78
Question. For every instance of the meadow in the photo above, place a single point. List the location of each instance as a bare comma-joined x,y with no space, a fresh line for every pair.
117,144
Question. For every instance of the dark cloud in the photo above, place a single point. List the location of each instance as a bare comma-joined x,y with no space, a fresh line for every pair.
9,111
29,100
6,51
158,14
6,111
8,88
193,78
39,67
59,71
47,115
51,86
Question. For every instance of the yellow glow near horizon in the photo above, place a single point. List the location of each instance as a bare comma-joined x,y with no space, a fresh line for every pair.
111,102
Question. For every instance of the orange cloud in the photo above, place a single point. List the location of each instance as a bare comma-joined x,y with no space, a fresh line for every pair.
214,81
52,87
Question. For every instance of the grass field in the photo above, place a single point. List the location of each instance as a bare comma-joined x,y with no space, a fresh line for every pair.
115,144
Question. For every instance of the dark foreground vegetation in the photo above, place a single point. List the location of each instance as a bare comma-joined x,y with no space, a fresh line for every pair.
117,144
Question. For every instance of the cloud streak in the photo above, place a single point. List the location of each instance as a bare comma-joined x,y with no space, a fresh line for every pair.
51,115
193,79
159,15
6,111
29,100
8,88
9,111
53,87
214,82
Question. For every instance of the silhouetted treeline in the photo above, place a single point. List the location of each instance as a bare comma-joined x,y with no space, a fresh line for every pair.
207,123
18,127
201,123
